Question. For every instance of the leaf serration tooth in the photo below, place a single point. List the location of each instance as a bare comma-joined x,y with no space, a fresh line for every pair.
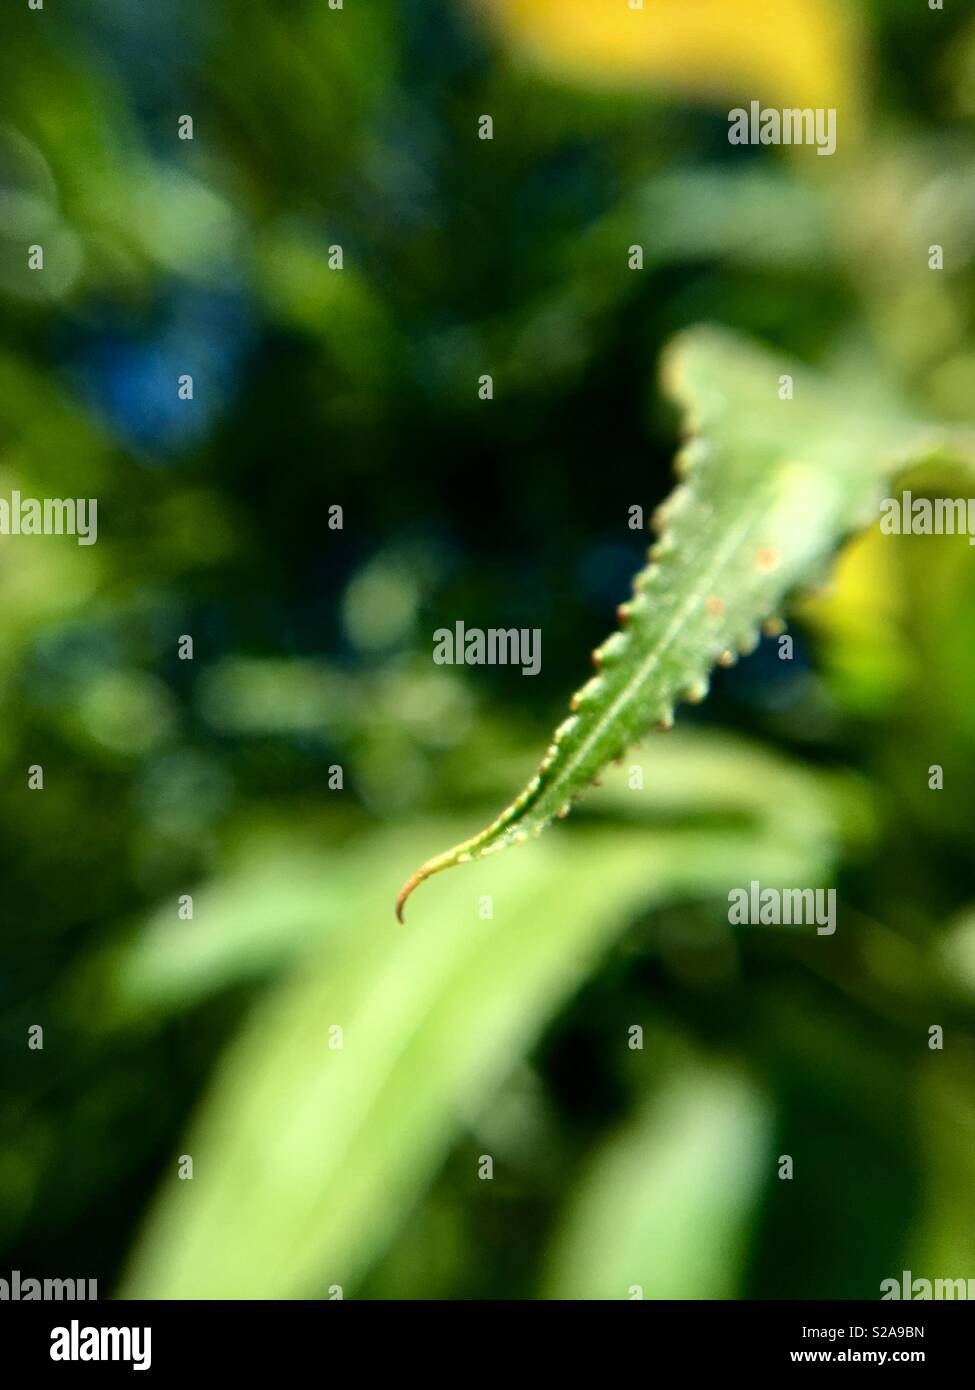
610,651
565,728
589,692
691,454
697,691
661,548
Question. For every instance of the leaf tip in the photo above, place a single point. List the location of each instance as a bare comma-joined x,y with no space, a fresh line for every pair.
404,893
460,855
413,882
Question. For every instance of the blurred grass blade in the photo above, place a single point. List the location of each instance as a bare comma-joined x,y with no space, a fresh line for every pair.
666,1209
306,1159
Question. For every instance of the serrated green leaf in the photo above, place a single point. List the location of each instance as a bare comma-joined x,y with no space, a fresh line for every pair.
768,487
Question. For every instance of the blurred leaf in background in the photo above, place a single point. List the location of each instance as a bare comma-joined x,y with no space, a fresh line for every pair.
430,1023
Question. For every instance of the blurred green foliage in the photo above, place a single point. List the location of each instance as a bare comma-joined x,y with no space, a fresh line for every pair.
312,648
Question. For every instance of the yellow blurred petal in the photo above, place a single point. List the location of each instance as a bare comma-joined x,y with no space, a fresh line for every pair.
780,52
864,592
859,619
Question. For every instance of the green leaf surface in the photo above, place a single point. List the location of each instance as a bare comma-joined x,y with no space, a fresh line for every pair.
768,487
